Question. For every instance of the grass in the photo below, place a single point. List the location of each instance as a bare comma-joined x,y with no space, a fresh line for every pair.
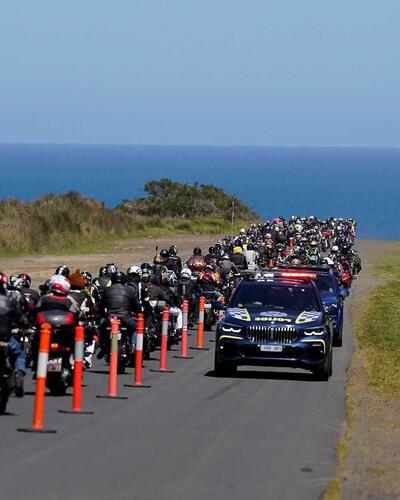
69,223
377,332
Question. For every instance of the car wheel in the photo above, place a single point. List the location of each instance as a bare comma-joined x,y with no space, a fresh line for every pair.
224,369
338,339
323,372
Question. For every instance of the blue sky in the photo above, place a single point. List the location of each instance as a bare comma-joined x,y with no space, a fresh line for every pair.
308,73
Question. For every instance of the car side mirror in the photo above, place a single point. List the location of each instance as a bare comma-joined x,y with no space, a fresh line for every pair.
344,292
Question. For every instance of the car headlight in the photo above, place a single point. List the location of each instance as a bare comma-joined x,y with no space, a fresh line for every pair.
319,330
226,328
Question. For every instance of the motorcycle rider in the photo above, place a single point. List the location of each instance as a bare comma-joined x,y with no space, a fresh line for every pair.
196,262
121,301
174,262
251,257
9,317
238,259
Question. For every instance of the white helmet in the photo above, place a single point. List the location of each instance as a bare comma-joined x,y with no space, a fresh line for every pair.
225,257
186,273
335,248
328,261
243,231
59,285
134,270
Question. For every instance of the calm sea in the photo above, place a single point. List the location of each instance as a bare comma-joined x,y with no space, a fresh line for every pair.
361,183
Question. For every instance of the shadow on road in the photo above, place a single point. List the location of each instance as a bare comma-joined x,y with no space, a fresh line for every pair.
266,375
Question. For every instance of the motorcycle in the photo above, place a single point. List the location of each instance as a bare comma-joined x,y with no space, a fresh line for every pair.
60,360
125,348
7,381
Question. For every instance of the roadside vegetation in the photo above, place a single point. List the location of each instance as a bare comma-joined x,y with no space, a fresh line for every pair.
377,357
71,223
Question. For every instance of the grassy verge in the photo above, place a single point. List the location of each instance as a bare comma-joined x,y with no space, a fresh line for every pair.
71,224
377,333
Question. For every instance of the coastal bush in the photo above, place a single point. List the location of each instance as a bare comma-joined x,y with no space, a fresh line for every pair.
71,223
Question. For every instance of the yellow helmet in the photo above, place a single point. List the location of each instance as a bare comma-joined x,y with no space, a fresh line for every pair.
238,250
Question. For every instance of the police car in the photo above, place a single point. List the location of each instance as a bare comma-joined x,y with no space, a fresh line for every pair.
275,320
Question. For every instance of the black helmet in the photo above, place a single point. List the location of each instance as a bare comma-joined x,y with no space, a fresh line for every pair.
63,270
211,250
197,251
164,254
146,265
111,269
250,246
26,280
218,246
103,271
118,277
173,250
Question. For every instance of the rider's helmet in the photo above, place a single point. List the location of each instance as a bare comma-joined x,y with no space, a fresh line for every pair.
134,271
146,265
313,244
88,277
238,250
197,251
169,278
59,285
250,246
26,280
63,271
146,275
218,247
211,250
225,257
111,269
173,250
335,249
164,254
103,271
296,261
13,281
243,231
186,273
3,282
328,261
118,277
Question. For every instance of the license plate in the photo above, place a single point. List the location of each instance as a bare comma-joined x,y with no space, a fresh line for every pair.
271,348
54,365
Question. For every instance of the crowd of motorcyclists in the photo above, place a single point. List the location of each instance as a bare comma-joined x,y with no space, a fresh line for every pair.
166,281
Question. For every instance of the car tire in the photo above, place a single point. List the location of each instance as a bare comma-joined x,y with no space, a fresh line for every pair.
224,369
323,372
338,339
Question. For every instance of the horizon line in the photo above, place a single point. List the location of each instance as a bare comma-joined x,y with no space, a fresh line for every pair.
270,146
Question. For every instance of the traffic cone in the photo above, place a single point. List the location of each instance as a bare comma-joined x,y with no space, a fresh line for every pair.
164,341
200,327
137,381
41,375
184,342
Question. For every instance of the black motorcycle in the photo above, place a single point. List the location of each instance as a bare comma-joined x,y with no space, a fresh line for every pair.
62,341
7,381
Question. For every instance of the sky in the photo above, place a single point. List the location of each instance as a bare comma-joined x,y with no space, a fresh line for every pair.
228,72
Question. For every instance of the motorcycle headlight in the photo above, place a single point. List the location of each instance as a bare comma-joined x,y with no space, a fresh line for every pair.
319,330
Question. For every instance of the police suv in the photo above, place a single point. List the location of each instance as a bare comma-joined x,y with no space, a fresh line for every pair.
275,320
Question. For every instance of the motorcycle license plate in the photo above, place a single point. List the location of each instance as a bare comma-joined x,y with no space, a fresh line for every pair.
207,306
271,348
54,365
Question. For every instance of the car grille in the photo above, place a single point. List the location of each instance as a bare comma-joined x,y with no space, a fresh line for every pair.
272,334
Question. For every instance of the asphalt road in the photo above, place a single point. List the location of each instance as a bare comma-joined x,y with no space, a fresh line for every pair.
264,434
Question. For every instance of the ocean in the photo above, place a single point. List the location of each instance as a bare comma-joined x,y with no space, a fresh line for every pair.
347,182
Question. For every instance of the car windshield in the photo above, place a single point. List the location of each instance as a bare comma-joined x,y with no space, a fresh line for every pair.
279,297
324,284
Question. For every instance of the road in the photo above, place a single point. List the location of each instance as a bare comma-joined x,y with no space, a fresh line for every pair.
260,435
263,434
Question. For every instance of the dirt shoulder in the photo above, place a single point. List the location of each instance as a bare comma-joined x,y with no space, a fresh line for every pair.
124,254
370,450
